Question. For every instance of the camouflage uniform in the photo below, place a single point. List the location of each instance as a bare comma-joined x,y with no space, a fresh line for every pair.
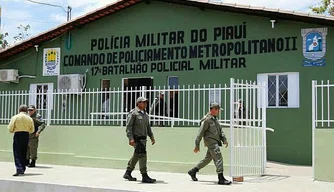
137,129
213,135
34,139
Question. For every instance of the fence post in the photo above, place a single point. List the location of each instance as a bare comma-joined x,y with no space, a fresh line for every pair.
264,125
49,108
231,126
122,105
314,84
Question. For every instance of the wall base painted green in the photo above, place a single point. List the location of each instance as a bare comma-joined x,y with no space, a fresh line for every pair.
107,147
324,155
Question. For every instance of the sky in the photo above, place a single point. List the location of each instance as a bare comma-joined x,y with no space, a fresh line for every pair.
42,18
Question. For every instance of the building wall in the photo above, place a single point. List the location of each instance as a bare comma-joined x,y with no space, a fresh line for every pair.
93,147
323,157
291,141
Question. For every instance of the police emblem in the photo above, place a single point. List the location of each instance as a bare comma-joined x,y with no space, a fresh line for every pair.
314,46
51,61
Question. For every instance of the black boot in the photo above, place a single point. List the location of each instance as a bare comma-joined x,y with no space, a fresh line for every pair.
28,162
222,180
127,175
147,179
32,164
192,173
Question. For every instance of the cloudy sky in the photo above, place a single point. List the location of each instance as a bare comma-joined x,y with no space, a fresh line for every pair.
42,18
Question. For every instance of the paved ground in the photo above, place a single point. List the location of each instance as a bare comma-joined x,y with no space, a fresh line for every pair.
279,178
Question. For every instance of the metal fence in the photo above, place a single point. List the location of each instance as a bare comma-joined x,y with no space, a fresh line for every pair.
181,106
322,103
243,106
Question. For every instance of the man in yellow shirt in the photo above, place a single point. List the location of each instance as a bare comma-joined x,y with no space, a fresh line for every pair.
21,125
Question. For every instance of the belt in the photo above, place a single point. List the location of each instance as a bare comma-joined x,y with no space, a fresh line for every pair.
140,137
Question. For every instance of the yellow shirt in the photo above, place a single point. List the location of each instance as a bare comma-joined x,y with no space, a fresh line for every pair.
21,123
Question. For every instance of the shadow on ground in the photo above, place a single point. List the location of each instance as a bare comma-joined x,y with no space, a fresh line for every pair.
31,174
42,167
266,178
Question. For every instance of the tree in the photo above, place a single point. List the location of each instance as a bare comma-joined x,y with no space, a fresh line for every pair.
23,33
3,41
326,6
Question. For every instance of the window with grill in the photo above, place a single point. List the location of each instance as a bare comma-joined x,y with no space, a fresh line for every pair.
41,95
282,89
277,90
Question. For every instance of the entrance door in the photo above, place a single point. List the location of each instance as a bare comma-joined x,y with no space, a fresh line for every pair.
41,95
134,88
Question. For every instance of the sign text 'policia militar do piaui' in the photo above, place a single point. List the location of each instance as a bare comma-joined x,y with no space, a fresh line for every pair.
198,49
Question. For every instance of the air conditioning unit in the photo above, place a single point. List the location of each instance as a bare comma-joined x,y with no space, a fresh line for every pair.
71,82
9,75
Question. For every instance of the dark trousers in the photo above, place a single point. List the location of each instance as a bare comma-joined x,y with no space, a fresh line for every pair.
20,146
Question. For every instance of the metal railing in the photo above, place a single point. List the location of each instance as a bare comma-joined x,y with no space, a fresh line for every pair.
321,109
181,106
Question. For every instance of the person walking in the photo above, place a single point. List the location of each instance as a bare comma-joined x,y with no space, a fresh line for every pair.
137,129
213,135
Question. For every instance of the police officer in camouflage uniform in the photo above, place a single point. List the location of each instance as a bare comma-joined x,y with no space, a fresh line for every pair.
34,137
137,129
213,135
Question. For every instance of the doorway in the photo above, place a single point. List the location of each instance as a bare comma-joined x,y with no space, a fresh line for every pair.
41,95
134,88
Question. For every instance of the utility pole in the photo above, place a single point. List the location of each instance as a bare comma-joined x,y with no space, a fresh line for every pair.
68,11
0,18
1,35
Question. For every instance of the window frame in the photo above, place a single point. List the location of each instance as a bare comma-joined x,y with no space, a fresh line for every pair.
277,74
49,94
105,88
168,82
277,92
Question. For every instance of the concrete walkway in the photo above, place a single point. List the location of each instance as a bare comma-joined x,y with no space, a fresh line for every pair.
54,178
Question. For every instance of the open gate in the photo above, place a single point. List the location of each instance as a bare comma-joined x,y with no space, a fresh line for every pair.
247,128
